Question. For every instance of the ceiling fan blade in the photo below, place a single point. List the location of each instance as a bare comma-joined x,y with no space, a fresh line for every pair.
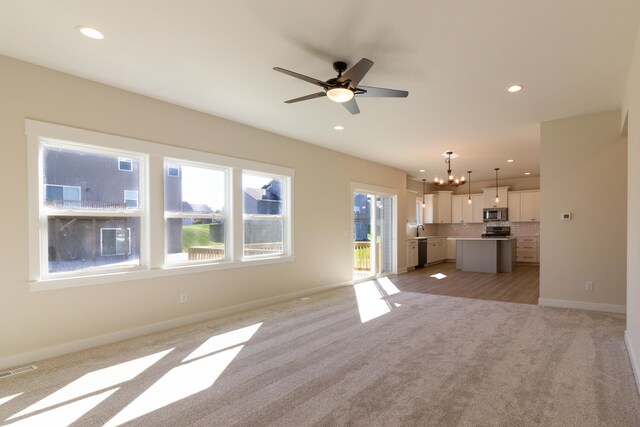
382,92
351,106
302,77
356,73
304,98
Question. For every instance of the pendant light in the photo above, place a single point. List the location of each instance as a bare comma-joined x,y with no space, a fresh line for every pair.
497,198
451,181
469,200
423,183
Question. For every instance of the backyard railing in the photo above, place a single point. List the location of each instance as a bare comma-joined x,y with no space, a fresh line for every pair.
217,252
362,255
205,252
85,204
253,249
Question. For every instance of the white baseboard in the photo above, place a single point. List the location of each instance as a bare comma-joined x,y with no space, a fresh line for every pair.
635,364
581,305
70,347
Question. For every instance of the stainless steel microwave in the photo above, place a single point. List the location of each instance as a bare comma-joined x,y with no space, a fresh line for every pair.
495,214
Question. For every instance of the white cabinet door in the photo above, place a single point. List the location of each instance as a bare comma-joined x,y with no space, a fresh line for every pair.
444,207
457,209
530,206
432,250
514,206
442,250
412,253
430,212
490,197
477,205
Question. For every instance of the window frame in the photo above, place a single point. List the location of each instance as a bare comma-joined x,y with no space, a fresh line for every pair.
151,206
284,216
45,212
168,162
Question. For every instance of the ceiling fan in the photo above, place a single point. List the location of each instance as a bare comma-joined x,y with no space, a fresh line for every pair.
344,88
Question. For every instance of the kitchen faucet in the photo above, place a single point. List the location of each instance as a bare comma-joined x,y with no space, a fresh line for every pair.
418,230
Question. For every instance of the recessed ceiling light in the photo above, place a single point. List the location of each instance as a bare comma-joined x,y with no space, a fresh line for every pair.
510,161
527,173
338,127
514,88
92,33
422,170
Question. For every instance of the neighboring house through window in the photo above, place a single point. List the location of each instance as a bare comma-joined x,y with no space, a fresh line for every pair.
131,199
125,164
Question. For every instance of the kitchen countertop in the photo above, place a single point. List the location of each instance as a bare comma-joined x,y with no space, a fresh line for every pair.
482,238
425,237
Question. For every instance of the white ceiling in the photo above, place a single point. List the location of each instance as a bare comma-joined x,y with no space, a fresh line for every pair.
455,57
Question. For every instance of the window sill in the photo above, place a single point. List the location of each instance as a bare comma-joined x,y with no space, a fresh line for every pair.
122,276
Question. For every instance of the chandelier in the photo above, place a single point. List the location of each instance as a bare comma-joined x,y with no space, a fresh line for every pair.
451,180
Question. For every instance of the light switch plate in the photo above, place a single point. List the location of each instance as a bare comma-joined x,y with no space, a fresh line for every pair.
566,216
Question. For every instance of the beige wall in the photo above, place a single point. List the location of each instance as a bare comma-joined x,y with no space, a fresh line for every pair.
32,321
632,103
583,171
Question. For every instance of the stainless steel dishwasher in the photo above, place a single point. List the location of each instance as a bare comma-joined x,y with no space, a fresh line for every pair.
422,252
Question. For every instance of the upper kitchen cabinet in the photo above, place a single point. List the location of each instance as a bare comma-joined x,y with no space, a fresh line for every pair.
462,210
411,207
490,197
513,203
437,207
530,206
524,206
477,205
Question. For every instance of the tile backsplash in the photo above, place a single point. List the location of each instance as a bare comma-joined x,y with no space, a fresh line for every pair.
475,229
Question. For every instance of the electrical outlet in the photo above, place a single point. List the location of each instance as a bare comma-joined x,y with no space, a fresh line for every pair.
588,286
184,297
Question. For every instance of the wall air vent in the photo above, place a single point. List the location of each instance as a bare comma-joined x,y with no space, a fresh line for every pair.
17,371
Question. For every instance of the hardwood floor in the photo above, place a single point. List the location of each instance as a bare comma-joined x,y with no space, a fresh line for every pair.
522,286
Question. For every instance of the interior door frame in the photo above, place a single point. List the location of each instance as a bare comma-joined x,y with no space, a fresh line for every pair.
357,187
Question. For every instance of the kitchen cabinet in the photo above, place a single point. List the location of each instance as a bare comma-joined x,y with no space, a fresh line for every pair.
524,206
436,249
513,203
530,206
490,197
461,209
527,249
437,207
477,205
411,207
412,254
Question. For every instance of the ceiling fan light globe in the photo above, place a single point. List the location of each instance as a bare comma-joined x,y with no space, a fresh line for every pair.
340,94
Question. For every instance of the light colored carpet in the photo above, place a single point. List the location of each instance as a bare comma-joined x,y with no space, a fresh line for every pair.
424,360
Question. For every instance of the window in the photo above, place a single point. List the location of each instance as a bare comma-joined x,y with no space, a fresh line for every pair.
195,213
62,195
173,170
125,164
264,199
83,211
113,241
91,213
131,199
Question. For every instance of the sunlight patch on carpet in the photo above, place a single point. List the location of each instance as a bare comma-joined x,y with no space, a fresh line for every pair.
370,302
95,381
66,414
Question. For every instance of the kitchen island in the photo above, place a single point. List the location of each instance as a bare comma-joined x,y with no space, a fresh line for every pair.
485,255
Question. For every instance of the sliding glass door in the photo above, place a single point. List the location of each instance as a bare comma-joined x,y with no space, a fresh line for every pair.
374,234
